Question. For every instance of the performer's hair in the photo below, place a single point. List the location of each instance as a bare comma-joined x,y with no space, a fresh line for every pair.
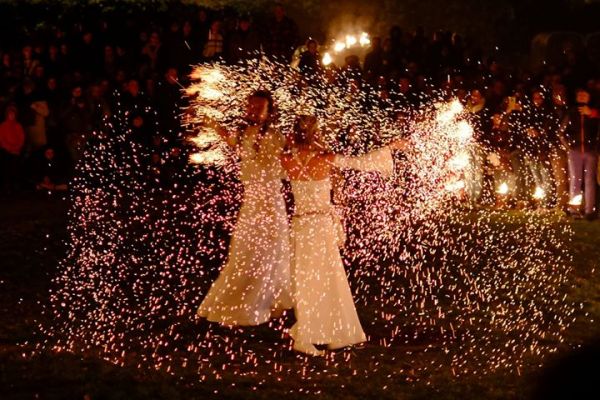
265,94
304,129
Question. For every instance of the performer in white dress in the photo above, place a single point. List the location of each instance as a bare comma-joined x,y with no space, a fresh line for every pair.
323,304
254,285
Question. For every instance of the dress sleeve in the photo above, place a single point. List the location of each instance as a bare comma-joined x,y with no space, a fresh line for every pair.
380,160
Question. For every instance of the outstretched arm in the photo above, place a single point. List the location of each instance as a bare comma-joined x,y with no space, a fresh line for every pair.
379,160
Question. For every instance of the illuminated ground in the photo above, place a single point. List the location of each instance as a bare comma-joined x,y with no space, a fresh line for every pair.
31,229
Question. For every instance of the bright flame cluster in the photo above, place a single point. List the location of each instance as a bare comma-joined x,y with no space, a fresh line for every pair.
349,42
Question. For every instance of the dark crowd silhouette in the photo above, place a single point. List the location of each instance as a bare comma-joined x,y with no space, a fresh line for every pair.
537,130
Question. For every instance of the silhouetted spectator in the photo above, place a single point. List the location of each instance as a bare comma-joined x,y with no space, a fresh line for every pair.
581,133
280,35
374,60
49,171
244,42
310,60
213,48
76,123
12,140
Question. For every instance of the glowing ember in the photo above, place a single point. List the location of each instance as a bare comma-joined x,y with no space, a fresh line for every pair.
460,161
209,76
464,131
539,193
503,189
576,201
364,39
351,41
339,46
455,186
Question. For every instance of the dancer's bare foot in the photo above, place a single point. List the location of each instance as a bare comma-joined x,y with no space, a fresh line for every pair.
307,348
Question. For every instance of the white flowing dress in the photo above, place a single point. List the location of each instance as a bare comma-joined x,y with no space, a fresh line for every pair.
255,283
323,303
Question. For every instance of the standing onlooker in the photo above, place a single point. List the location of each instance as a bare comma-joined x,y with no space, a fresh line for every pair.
98,106
89,55
190,50
513,123
49,172
12,139
374,61
36,132
558,148
76,123
582,137
310,60
504,179
201,27
535,145
213,48
168,103
244,43
28,62
152,54
480,119
280,35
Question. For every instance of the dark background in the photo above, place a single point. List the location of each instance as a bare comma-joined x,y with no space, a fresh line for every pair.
510,24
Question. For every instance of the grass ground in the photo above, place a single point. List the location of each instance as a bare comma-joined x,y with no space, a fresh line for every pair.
32,228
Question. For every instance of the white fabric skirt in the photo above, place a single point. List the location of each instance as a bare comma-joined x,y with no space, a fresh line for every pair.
255,283
324,306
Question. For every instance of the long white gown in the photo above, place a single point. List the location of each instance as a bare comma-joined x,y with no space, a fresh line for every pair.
254,284
323,303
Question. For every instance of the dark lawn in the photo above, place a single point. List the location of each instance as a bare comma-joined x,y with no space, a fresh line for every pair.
32,228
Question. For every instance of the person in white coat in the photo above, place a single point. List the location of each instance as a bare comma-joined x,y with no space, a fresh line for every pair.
323,303
254,285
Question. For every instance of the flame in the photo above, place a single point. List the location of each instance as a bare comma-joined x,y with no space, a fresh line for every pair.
455,186
449,111
212,157
456,106
339,46
503,189
351,40
205,138
460,161
206,75
539,193
210,93
464,131
364,39
576,201
327,59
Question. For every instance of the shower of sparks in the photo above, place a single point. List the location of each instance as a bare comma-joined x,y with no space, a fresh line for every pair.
483,289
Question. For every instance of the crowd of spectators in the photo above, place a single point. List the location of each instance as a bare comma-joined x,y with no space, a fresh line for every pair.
538,130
